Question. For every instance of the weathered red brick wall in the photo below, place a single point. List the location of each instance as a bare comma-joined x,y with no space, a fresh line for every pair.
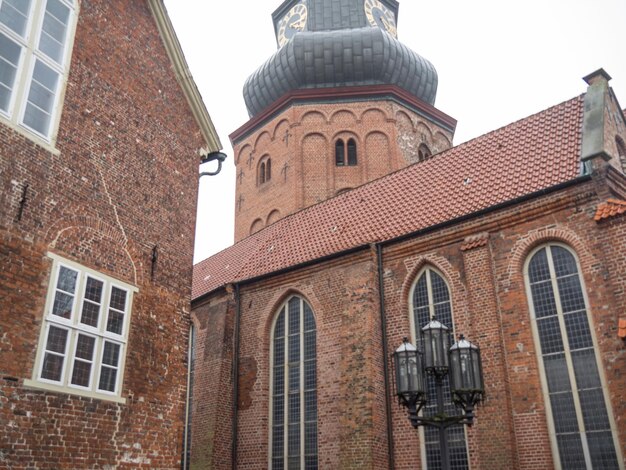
125,180
213,381
301,144
482,260
490,306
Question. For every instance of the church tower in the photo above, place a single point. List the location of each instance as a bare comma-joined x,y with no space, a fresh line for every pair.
340,103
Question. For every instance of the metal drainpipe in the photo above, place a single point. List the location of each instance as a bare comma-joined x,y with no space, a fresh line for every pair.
383,327
235,397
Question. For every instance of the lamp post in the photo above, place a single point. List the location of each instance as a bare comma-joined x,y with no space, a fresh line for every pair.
462,363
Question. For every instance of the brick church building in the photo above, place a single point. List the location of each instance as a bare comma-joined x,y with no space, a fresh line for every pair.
101,126
357,220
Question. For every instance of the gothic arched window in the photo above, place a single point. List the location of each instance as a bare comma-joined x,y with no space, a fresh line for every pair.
578,419
430,297
293,402
423,153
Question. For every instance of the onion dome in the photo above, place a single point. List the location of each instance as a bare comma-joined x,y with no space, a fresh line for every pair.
343,43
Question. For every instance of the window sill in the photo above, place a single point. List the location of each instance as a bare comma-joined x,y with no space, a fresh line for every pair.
34,138
33,384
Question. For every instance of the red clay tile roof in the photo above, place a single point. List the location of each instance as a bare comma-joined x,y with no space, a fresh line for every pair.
610,208
534,153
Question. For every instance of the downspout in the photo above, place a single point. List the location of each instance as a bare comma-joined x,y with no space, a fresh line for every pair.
383,327
235,396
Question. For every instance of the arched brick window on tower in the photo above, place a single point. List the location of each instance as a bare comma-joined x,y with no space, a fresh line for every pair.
621,151
352,153
423,153
265,170
430,296
340,153
575,393
256,226
293,396
345,155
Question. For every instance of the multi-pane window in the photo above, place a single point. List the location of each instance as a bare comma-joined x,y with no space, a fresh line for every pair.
85,331
293,409
575,396
431,297
34,54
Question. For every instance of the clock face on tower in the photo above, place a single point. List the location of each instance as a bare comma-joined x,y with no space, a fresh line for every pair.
293,22
379,15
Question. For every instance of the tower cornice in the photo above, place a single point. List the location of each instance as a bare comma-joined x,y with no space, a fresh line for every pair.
344,94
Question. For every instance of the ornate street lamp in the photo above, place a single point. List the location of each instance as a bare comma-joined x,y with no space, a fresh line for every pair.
466,375
410,385
461,361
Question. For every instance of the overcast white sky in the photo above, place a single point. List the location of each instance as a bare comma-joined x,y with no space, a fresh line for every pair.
498,61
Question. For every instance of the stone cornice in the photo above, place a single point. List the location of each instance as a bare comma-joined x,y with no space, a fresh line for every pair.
185,79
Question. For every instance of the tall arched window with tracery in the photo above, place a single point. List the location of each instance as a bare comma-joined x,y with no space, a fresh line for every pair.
293,404
430,296
575,395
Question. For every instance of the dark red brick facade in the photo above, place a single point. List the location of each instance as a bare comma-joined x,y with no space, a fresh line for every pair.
123,181
482,258
489,304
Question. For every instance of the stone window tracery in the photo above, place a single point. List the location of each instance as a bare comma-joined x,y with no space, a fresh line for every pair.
575,394
293,402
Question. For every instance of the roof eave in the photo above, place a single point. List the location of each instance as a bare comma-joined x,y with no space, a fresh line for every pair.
183,75
401,238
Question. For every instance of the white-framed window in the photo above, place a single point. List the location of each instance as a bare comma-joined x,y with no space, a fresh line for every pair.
35,44
582,431
293,402
430,297
84,334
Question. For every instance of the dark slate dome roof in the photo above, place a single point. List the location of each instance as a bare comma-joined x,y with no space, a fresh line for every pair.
338,58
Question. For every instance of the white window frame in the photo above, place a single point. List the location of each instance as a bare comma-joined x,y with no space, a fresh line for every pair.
75,328
568,358
422,272
29,55
301,391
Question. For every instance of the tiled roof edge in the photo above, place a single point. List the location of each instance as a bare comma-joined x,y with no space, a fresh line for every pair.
425,230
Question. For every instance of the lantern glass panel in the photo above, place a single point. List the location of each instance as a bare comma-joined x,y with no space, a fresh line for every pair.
436,345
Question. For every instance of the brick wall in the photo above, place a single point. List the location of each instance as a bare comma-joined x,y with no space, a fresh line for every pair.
301,144
482,260
124,180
